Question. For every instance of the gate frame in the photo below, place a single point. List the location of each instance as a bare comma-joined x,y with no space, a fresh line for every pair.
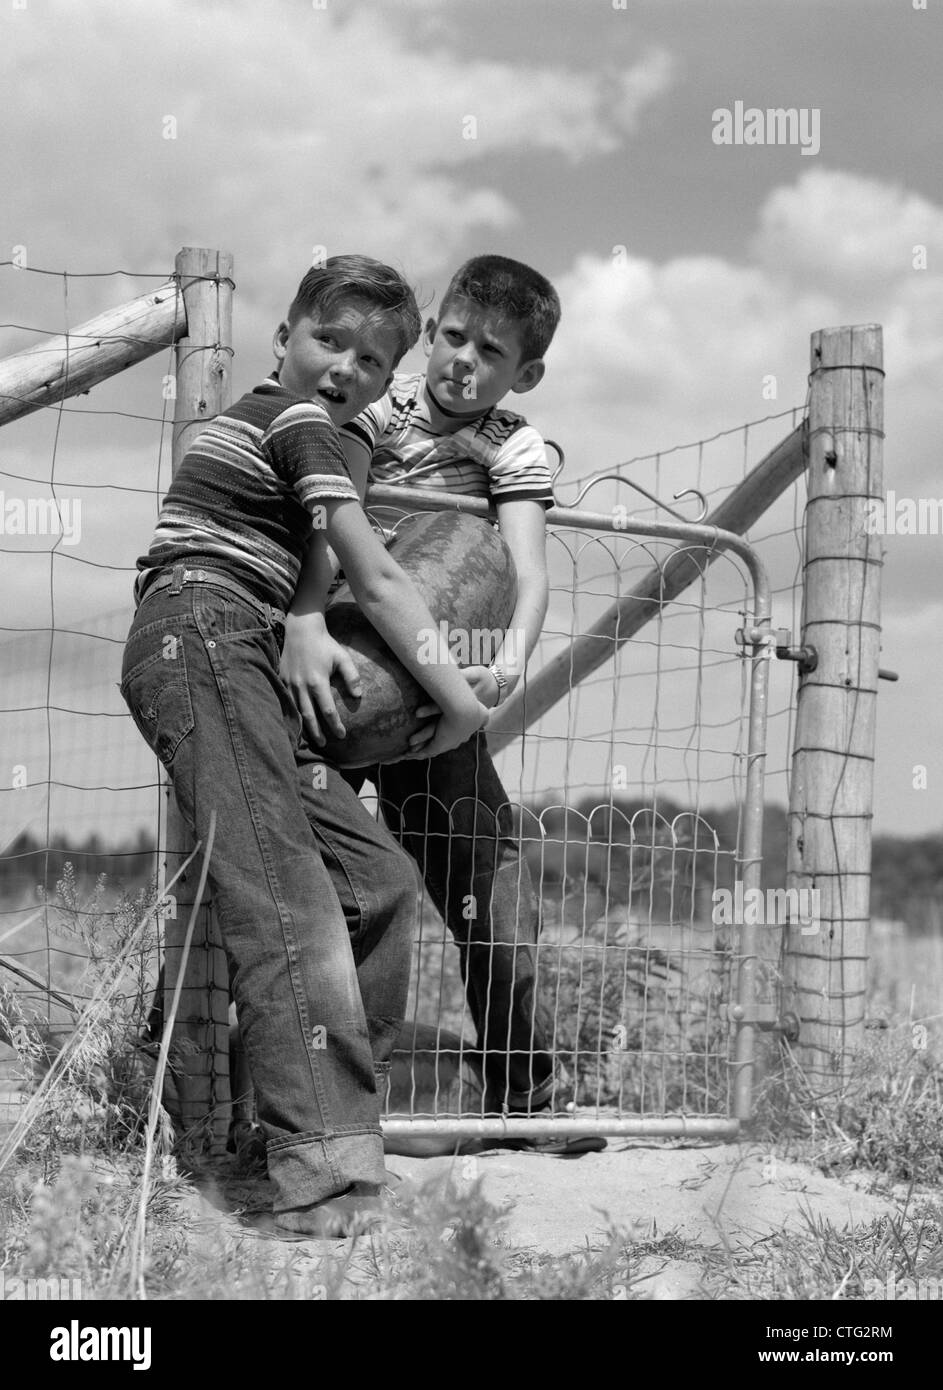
707,541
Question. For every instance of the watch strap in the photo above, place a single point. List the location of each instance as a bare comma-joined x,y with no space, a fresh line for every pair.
501,678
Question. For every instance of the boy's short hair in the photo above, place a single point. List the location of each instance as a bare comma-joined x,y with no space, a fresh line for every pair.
521,294
360,277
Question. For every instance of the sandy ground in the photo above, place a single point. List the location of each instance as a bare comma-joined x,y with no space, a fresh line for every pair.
708,1197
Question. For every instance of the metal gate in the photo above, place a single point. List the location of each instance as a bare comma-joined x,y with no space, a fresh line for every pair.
646,961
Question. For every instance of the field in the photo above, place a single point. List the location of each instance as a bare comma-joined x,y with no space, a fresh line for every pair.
838,1199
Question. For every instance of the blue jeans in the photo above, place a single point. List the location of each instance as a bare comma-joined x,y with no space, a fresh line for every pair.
319,959
453,816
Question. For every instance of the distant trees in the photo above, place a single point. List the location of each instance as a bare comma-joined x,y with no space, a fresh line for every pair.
907,880
28,863
662,852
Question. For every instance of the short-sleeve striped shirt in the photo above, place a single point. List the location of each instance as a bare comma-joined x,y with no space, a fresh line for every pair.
243,497
497,455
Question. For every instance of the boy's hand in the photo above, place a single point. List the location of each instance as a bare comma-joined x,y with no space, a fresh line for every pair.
484,688
309,659
483,684
429,714
439,736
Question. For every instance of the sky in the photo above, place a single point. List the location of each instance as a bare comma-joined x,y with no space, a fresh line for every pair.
575,135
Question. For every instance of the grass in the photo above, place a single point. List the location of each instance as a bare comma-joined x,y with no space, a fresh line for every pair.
74,1227
70,1191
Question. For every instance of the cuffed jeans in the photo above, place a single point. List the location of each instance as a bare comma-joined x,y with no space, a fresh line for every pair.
452,814
319,960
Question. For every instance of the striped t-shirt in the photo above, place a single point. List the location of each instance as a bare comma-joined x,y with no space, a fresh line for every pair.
497,455
243,497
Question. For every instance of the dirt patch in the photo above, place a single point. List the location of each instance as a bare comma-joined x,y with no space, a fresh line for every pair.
713,1196
698,1202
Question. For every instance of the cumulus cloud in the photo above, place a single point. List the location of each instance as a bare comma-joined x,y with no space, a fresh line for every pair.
683,347
271,128
642,84
660,354
844,232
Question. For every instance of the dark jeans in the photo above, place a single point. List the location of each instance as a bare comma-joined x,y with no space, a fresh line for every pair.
453,816
320,983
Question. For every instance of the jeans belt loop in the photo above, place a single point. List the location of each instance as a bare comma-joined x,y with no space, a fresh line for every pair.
180,575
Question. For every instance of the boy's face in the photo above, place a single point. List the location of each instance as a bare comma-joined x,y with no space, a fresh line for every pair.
475,358
342,358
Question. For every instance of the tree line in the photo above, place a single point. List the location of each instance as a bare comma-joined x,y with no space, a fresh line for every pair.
660,849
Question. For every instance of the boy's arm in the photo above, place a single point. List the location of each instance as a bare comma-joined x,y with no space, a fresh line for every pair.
523,529
357,456
310,655
389,600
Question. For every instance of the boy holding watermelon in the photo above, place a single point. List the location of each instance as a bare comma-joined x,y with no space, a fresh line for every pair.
319,966
450,811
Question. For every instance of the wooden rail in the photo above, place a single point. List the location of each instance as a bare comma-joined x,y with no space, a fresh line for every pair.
72,364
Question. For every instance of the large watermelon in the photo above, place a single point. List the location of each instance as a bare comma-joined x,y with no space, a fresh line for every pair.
466,575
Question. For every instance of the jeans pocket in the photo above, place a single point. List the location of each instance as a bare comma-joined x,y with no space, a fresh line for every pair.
157,692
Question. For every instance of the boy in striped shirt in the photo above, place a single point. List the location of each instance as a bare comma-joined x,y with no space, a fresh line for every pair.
445,430
315,901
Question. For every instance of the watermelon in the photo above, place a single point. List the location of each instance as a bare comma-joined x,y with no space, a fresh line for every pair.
465,573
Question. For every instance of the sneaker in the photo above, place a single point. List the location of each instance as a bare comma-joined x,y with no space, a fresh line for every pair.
567,1147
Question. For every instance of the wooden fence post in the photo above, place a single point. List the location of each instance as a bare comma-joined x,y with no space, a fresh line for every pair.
201,1106
830,802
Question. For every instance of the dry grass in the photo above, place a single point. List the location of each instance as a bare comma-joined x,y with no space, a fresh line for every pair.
70,1192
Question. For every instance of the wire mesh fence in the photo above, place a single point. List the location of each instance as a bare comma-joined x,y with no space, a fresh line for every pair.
625,798
80,482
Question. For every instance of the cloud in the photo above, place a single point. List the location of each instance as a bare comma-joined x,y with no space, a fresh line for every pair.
293,127
845,233
651,355
684,347
644,82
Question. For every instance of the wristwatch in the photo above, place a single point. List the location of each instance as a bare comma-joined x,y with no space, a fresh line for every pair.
501,677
